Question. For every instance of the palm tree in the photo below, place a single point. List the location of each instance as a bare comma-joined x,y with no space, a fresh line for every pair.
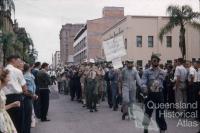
180,16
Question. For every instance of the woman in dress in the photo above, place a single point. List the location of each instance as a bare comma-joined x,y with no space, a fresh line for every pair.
6,124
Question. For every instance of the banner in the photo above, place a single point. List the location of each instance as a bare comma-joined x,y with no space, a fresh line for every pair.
114,48
117,63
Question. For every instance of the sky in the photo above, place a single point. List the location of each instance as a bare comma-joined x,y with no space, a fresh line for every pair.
43,19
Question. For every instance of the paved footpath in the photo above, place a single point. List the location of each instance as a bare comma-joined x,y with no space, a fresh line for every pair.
71,117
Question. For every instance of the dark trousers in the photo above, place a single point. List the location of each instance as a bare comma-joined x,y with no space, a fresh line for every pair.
197,98
191,93
16,113
114,90
60,86
78,92
92,95
72,89
36,104
44,103
93,98
27,114
109,94
156,98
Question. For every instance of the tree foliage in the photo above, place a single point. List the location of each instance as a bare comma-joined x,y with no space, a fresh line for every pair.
180,16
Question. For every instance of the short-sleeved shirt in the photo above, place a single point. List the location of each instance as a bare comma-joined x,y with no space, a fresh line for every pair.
153,74
192,72
182,72
16,81
198,75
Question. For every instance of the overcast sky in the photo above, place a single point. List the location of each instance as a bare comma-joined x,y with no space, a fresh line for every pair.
43,19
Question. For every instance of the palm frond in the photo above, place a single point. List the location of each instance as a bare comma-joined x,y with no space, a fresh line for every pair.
174,10
167,28
195,25
186,9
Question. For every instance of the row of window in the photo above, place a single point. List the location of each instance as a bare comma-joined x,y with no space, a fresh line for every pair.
80,45
80,56
139,41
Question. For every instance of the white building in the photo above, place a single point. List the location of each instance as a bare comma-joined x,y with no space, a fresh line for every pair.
56,60
141,39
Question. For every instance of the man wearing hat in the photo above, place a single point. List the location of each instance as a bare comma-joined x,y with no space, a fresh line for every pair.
129,76
152,85
92,87
108,86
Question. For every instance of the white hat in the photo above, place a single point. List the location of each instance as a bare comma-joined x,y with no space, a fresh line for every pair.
92,61
85,60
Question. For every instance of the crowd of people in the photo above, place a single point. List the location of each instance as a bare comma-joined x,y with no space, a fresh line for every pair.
91,83
24,89
24,95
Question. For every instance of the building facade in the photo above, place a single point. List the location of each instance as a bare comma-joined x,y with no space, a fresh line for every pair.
6,25
88,41
67,35
141,39
56,60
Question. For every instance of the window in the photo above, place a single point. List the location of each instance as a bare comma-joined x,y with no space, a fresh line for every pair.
169,41
193,59
150,41
139,63
139,41
125,43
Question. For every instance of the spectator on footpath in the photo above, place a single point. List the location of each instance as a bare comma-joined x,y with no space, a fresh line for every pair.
28,100
43,83
6,124
36,103
15,90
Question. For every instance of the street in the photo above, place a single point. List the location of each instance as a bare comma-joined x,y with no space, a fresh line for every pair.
71,117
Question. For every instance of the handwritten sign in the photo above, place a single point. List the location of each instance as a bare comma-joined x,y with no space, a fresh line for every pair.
114,48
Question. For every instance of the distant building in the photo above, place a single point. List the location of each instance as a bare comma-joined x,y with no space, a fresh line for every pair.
141,39
56,62
67,35
88,41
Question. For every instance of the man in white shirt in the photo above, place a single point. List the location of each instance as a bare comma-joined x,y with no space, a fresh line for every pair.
192,79
14,91
180,84
198,89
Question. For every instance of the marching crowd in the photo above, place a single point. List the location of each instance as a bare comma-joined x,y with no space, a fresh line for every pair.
90,83
24,89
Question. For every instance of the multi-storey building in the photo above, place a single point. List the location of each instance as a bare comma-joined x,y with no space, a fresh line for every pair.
67,35
6,26
141,39
88,41
56,62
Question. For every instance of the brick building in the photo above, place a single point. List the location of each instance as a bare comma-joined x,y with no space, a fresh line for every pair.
88,41
67,35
